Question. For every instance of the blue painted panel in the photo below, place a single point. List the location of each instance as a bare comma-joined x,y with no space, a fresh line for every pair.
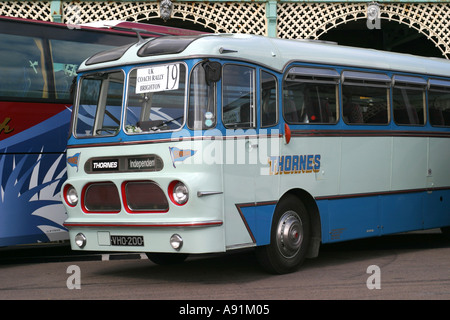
367,216
259,221
436,208
31,182
401,212
351,218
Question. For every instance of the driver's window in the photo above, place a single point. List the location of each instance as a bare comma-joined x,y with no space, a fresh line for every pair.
238,96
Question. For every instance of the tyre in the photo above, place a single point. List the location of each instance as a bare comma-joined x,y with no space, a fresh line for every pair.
446,232
289,238
165,259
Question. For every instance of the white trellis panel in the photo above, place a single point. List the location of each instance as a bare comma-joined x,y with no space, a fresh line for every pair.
39,10
295,19
312,19
230,17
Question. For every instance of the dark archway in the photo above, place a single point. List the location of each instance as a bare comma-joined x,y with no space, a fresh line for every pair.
392,36
178,23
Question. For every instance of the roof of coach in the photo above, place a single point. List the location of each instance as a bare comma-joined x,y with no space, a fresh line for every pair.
273,53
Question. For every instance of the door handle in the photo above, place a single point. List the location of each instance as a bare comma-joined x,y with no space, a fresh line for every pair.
250,146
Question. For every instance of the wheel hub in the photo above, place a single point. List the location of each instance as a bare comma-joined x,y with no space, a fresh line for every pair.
289,234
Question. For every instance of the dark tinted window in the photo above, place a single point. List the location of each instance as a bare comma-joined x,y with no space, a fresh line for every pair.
39,61
269,99
238,96
365,98
439,102
202,100
165,45
21,67
310,95
408,100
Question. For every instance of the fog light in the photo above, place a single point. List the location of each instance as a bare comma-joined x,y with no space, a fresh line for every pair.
80,240
176,242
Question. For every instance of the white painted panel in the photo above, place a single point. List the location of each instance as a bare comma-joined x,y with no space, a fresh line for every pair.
439,162
365,164
409,163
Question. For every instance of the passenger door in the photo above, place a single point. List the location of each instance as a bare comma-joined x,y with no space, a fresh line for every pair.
240,147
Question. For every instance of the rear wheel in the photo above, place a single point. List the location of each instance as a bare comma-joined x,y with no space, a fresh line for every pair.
166,258
289,239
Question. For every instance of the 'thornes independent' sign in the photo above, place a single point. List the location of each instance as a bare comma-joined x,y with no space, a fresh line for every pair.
124,164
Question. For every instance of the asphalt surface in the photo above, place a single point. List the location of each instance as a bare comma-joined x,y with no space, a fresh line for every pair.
413,266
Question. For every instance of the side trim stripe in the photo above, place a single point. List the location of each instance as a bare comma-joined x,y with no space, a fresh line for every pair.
369,133
146,225
381,193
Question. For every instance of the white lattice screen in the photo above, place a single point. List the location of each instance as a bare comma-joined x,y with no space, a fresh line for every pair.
231,17
294,19
39,10
430,19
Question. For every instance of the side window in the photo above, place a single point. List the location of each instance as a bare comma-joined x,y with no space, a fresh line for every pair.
21,69
439,102
269,99
408,100
238,96
365,97
202,100
66,57
310,95
24,75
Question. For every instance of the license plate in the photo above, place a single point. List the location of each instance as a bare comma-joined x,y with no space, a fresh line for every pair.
135,241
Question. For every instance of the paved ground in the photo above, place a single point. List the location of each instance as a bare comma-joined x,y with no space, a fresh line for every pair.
409,266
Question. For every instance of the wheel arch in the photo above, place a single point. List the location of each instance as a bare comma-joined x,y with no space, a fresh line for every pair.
313,211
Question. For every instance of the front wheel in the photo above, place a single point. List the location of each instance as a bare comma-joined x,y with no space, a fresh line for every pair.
289,239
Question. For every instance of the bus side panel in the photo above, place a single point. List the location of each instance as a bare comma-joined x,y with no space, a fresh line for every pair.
360,217
20,121
258,220
437,204
436,208
32,174
409,163
251,190
437,200
311,164
365,165
352,218
238,183
267,188
402,212
323,207
438,175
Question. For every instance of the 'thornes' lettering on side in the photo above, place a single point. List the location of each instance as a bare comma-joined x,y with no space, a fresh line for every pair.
294,164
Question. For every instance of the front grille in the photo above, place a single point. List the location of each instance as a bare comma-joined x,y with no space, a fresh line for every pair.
144,196
101,197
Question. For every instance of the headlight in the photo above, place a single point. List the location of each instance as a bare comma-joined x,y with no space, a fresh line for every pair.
70,195
178,193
